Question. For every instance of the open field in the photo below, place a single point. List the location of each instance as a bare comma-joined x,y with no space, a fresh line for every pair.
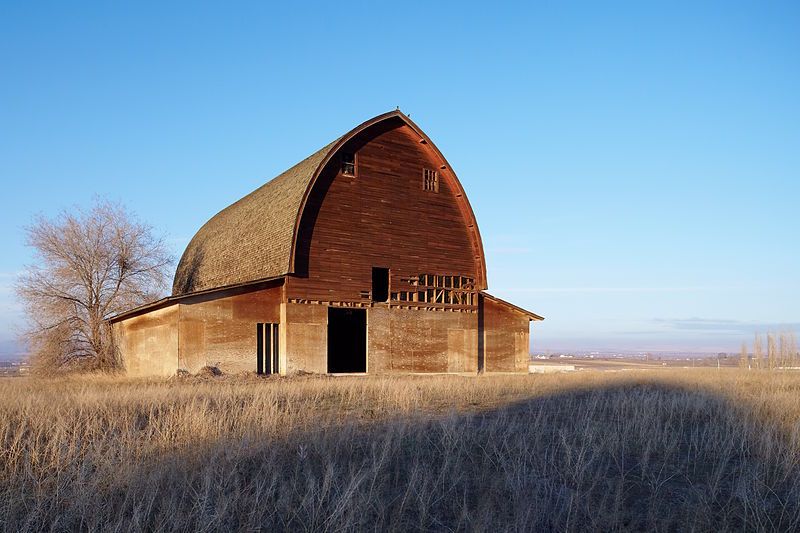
662,450
615,364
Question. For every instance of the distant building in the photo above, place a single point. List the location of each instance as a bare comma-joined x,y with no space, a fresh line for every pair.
364,257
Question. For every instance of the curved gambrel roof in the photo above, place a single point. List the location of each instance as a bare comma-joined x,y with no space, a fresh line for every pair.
255,238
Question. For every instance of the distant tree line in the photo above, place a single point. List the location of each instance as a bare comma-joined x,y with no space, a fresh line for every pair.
779,351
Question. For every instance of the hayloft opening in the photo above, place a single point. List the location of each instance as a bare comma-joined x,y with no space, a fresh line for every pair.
380,284
347,340
349,164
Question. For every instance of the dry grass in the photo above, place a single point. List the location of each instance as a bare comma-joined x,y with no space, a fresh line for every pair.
664,450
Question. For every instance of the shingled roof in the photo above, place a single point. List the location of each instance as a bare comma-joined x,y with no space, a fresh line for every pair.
250,239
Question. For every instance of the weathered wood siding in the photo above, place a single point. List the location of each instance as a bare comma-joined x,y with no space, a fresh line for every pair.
148,344
381,217
505,338
221,330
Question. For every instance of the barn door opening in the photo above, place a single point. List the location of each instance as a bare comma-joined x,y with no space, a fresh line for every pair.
267,355
347,340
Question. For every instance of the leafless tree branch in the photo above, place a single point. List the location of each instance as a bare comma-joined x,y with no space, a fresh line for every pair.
90,265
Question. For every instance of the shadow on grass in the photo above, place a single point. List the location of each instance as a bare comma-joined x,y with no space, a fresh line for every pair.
624,457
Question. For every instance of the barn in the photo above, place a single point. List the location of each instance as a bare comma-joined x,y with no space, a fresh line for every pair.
364,257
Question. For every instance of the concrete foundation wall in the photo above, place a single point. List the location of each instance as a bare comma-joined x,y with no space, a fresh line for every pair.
306,337
506,338
398,340
217,330
148,344
410,340
221,331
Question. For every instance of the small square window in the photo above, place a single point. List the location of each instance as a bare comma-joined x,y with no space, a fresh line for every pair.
430,180
349,164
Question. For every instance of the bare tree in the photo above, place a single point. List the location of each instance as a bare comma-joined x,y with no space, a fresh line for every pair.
91,264
743,356
783,349
758,352
772,350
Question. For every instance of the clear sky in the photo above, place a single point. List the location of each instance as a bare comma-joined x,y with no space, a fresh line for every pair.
634,167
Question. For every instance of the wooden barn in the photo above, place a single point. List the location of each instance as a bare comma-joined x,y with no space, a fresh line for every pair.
364,257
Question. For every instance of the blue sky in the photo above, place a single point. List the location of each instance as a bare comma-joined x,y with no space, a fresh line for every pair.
634,167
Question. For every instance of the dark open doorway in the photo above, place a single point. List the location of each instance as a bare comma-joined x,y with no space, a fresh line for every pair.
380,284
347,340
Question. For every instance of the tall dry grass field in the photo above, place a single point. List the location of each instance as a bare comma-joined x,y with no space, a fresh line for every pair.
664,450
